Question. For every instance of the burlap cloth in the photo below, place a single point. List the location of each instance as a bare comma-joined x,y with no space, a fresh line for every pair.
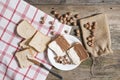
102,41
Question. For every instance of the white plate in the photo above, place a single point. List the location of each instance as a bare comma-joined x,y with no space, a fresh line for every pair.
71,39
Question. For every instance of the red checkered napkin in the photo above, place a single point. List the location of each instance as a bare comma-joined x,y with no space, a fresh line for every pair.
11,12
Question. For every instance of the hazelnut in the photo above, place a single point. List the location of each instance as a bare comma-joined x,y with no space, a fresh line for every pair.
52,27
74,23
76,16
89,28
51,22
52,33
65,15
42,18
86,26
94,23
57,16
64,22
89,38
66,31
89,43
61,20
68,23
42,22
93,37
64,19
53,12
68,13
71,20
92,45
68,19
78,35
77,31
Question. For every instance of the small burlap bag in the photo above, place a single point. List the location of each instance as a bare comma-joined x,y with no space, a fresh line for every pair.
102,39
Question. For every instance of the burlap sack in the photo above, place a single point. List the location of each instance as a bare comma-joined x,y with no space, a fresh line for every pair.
102,40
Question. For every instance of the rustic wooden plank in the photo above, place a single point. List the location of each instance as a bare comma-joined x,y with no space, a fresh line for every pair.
112,11
105,68
73,2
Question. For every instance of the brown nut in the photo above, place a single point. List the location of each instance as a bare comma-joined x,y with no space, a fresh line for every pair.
65,15
93,25
71,21
61,21
89,38
64,19
76,16
77,31
61,18
89,43
68,13
42,18
68,19
52,33
86,26
51,22
42,22
57,16
72,18
88,23
52,27
64,22
89,28
68,23
92,45
53,12
66,31
78,35
74,23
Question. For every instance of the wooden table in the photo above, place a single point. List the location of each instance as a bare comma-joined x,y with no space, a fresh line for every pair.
107,67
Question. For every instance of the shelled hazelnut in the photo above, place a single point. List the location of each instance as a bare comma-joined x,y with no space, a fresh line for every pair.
52,33
91,28
68,13
57,16
52,27
77,16
53,12
51,22
66,31
42,22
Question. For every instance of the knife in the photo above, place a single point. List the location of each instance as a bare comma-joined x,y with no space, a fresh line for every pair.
43,66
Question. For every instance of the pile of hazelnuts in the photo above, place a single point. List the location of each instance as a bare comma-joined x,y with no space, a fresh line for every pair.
62,59
66,18
91,38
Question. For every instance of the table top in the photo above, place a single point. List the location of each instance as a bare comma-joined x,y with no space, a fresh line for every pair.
105,68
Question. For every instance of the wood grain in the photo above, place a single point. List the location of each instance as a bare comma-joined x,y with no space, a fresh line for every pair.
74,2
106,67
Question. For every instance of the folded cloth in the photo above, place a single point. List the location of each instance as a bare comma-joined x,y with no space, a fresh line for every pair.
97,28
11,13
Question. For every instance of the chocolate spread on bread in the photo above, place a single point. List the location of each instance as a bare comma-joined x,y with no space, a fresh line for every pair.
62,42
80,51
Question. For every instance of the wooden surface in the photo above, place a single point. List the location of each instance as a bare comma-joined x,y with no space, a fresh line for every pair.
74,2
107,67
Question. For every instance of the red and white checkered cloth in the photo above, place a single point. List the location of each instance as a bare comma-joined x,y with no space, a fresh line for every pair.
11,12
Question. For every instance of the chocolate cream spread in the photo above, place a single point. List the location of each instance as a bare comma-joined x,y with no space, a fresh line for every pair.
62,42
80,51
